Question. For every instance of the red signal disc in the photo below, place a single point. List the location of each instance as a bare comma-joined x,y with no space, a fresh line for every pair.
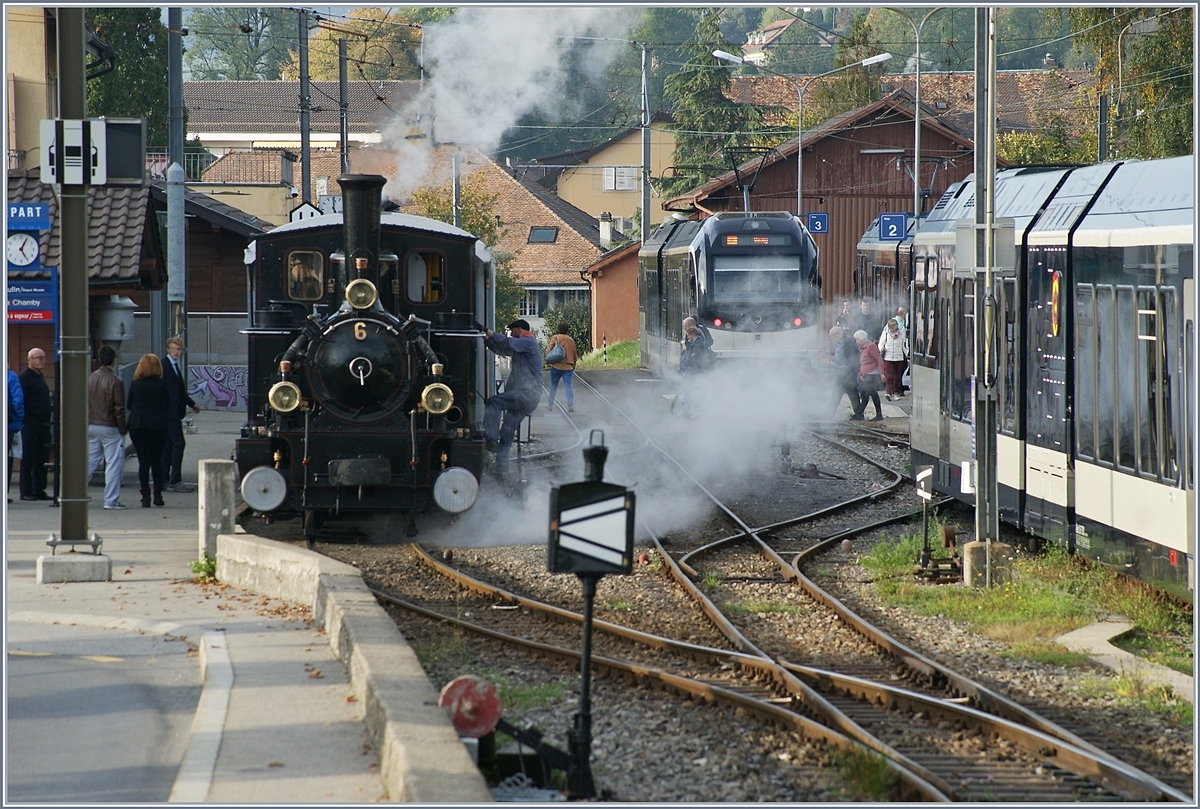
473,704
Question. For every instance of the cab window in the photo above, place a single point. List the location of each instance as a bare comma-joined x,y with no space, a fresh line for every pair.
425,276
305,275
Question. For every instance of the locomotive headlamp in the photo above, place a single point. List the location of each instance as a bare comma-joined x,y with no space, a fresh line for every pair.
361,293
437,398
284,397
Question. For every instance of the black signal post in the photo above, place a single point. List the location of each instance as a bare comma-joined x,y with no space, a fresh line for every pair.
591,534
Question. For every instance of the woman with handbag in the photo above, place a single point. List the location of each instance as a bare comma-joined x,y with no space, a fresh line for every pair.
561,356
148,408
870,376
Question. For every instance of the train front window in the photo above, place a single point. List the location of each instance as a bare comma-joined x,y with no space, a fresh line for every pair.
425,273
755,277
306,275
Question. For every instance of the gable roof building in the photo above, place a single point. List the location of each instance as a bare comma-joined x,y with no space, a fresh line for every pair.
759,43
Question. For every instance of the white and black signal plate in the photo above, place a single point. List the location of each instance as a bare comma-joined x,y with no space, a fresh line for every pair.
591,528
924,480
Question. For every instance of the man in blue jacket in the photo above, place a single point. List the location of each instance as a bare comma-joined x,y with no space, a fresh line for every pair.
16,416
522,390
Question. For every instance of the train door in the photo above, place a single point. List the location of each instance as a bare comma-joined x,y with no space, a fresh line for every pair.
1010,448
1048,470
923,362
649,294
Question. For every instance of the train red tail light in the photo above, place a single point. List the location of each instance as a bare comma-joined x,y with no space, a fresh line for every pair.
796,321
717,322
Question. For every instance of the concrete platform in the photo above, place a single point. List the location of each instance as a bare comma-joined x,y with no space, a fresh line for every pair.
1095,641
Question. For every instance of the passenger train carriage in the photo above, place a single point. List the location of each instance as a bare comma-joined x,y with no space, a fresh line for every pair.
1095,327
367,370
750,278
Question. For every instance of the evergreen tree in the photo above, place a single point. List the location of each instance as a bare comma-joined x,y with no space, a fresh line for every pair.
137,88
707,121
239,44
855,86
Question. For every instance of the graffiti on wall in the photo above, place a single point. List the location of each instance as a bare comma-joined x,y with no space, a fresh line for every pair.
218,387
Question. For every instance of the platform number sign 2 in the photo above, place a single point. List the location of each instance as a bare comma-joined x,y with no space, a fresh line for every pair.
893,226
818,223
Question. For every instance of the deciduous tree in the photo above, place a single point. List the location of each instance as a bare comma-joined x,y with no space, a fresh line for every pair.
239,44
137,88
381,44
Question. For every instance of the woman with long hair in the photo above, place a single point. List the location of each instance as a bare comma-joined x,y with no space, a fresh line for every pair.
148,411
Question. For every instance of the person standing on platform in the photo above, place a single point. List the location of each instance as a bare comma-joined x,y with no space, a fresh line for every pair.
150,416
106,426
845,369
870,376
564,369
37,434
16,415
891,348
522,390
172,374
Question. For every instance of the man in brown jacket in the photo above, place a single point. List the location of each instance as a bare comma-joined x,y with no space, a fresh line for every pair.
106,426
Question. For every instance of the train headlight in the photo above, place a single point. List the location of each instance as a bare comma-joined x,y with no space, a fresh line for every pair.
361,293
437,398
284,397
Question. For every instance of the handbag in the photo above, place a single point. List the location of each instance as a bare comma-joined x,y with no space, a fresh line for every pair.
557,354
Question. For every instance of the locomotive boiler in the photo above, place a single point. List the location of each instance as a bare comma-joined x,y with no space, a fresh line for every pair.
367,372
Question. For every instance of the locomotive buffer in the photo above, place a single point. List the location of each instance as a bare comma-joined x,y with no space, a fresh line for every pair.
591,534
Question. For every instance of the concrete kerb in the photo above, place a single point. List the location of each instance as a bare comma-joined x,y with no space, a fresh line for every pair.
421,758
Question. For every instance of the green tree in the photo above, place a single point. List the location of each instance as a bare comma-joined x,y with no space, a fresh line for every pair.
801,50
578,317
381,44
239,44
1146,56
708,124
137,88
855,86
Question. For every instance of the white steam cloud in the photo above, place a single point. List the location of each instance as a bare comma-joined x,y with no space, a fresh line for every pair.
488,67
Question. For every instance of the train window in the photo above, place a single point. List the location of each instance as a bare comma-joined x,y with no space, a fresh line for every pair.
1106,390
750,277
1085,376
425,272
306,275
919,271
1127,398
1150,396
1008,358
931,273
1168,414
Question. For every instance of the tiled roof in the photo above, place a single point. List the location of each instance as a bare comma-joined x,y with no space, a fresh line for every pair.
122,251
263,166
274,106
612,256
1020,95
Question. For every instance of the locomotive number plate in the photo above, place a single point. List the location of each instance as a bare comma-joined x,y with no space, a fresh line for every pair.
360,330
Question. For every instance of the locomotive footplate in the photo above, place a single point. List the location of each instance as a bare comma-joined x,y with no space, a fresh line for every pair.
375,471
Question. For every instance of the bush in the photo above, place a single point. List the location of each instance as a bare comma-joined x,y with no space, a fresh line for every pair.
578,317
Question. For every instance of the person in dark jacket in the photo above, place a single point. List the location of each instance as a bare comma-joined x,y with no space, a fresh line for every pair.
845,370
870,376
16,416
172,374
149,412
694,361
522,390
36,433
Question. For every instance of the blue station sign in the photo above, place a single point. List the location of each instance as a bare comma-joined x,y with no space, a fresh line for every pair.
29,216
33,301
818,223
893,227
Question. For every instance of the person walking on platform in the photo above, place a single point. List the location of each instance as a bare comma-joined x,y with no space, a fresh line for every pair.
16,415
106,426
172,374
845,370
150,414
37,435
891,348
870,376
522,390
564,369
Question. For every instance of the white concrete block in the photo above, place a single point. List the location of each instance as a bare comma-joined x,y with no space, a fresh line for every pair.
68,567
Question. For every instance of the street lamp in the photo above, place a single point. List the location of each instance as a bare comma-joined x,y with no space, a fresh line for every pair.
800,88
917,28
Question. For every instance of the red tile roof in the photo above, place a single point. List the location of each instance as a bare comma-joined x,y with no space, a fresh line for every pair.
274,106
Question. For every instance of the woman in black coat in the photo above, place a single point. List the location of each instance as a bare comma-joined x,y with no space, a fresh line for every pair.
148,411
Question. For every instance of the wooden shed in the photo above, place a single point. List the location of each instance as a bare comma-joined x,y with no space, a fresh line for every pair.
856,166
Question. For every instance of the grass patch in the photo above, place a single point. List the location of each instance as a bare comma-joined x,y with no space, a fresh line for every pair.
205,569
617,605
1131,690
712,579
1041,651
519,697
621,354
1047,595
866,775
448,649
758,607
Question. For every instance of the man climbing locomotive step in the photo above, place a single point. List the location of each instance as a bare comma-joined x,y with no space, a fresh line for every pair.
522,390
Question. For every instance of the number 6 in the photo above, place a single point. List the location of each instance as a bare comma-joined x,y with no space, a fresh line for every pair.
360,330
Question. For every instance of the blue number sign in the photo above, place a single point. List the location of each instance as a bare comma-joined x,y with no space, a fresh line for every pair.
893,226
818,223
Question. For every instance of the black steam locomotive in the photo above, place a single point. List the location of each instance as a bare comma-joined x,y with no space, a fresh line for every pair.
367,371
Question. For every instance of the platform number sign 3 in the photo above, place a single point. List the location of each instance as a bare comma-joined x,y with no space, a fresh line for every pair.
818,223
893,226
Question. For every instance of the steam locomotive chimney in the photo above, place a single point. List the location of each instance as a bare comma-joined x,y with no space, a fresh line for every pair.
362,200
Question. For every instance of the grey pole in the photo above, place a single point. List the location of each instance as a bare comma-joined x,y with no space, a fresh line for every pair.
305,107
457,193
645,144
917,29
73,360
177,257
344,105
160,308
